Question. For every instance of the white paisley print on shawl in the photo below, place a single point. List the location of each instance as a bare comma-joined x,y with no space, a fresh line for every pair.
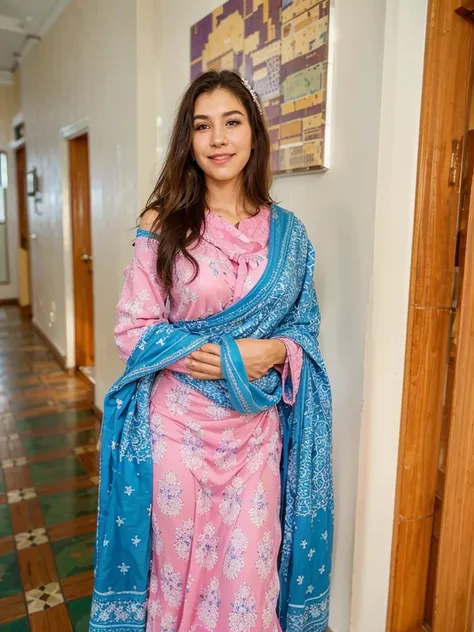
217,413
169,495
184,538
177,399
192,446
153,583
225,456
207,547
271,598
231,503
264,555
158,443
182,276
243,615
273,459
209,602
259,510
171,584
234,557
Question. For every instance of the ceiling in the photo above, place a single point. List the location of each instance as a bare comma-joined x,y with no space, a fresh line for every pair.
22,24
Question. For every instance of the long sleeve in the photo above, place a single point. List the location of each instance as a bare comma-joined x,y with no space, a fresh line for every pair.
143,299
291,370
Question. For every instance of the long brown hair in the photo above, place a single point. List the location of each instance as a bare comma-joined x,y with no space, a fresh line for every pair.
179,197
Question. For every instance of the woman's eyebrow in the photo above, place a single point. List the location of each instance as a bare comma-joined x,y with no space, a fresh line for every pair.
224,114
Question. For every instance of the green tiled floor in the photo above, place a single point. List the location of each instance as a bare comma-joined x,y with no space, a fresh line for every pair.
74,555
65,506
10,582
2,485
79,614
59,469
21,625
62,420
5,526
33,445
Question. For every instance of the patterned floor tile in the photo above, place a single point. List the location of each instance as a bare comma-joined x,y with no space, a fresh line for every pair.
33,445
50,471
2,483
53,620
44,597
79,611
10,437
26,516
5,524
37,567
10,581
17,478
33,537
95,479
58,420
63,507
12,610
77,586
19,495
14,462
74,555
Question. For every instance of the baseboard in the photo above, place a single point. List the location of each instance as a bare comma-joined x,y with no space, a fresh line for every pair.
59,357
5,302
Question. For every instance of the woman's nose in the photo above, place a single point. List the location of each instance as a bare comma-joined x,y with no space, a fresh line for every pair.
218,137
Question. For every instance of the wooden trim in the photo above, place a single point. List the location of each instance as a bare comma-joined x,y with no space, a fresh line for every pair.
4,302
446,90
60,359
454,595
99,414
466,10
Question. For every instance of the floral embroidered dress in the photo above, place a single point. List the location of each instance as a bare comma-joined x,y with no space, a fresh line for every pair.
216,476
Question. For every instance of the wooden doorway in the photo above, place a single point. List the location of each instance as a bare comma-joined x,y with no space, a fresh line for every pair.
82,252
24,253
433,544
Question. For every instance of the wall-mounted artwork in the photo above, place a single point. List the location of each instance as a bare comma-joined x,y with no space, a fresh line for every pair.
282,48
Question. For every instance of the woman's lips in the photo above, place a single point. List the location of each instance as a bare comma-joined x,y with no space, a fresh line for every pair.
221,159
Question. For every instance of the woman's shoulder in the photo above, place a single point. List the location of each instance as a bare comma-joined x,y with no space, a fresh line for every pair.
148,221
296,222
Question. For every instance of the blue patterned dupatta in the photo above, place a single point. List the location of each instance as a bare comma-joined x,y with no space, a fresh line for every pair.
283,303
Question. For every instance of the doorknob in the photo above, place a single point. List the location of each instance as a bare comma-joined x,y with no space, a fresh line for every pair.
86,258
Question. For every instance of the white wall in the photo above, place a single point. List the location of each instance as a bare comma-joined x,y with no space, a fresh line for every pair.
9,232
84,69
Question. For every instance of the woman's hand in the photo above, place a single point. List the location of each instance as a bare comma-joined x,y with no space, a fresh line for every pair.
258,356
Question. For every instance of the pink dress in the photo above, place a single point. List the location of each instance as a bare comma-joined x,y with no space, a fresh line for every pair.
216,480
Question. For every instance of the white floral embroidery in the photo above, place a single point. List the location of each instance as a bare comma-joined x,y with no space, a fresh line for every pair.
169,623
209,602
192,446
217,413
259,509
133,308
169,495
177,399
171,584
234,557
226,452
157,537
204,495
271,597
154,607
231,503
158,442
243,615
255,454
274,453
264,555
153,582
184,538
189,584
207,545
183,274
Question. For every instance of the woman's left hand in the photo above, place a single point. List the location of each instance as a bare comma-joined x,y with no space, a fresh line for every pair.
258,356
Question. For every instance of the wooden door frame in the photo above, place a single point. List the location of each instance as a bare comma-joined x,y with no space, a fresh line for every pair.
447,85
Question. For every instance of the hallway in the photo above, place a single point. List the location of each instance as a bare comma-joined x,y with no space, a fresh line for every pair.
48,486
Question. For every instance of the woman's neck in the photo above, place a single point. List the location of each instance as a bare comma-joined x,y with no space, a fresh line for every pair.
226,199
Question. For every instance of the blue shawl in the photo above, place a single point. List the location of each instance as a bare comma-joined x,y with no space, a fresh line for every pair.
282,304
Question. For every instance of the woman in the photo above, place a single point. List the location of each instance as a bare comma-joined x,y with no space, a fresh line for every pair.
218,324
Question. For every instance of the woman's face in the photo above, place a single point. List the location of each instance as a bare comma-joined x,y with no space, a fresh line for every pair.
222,136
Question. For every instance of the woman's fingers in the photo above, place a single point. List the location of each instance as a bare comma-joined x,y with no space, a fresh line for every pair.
204,376
206,358
211,348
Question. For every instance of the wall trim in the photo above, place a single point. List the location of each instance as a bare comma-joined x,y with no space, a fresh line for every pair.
58,356
5,302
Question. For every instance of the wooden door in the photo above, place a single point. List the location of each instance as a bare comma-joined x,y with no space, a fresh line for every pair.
24,259
82,250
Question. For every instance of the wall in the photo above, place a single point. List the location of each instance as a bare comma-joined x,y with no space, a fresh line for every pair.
84,70
9,106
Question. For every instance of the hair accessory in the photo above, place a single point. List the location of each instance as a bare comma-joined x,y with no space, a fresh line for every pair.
253,95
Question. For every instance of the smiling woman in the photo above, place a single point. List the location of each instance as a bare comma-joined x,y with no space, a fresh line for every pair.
216,442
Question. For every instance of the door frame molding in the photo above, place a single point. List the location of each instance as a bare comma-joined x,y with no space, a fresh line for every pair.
449,45
67,133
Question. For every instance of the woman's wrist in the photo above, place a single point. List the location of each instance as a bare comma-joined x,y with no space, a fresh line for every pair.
278,351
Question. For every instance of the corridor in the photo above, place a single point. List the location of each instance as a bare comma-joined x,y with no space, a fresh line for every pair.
48,486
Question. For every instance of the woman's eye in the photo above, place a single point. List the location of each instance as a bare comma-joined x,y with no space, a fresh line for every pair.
199,128
233,123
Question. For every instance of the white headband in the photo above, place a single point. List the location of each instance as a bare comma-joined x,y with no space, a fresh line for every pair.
253,95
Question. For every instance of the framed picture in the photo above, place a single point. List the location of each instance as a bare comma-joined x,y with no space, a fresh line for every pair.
282,47
31,183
